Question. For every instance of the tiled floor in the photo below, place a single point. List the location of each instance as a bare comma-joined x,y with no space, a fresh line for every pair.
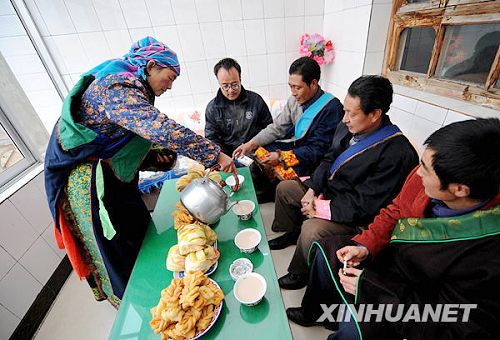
76,316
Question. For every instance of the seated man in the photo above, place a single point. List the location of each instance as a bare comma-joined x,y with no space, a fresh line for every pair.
363,171
235,115
305,128
436,244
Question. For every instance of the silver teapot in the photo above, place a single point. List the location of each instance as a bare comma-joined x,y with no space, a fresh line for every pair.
206,200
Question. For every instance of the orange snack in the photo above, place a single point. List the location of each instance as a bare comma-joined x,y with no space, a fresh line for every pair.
261,153
284,174
289,158
279,171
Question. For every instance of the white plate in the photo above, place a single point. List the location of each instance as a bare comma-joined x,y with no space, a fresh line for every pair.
181,274
211,270
216,315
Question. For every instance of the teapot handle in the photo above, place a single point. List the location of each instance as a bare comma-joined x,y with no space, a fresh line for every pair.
217,167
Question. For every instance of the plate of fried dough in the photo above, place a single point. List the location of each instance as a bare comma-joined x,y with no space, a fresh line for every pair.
188,308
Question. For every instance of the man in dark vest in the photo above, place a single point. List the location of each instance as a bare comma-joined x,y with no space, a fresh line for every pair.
363,171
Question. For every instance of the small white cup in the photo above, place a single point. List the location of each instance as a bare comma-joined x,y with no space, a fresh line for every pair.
244,214
231,181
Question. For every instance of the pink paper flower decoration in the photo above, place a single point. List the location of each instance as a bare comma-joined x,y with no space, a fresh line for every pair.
315,46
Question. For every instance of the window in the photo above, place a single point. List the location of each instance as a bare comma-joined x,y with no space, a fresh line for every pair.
9,152
29,97
448,47
15,156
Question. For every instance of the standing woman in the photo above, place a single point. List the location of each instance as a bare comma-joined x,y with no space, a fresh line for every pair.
104,137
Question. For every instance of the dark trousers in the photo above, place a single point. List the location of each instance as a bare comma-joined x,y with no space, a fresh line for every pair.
289,218
320,288
265,187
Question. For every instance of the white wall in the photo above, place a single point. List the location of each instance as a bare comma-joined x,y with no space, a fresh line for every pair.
418,119
262,35
346,24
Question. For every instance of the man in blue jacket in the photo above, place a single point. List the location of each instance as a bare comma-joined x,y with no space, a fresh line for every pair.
300,136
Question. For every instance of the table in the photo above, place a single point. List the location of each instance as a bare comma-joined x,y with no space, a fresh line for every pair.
267,320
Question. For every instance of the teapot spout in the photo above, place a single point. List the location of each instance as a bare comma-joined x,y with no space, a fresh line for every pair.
230,205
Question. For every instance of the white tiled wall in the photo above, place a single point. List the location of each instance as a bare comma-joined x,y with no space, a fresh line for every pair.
28,252
262,35
26,65
418,119
346,24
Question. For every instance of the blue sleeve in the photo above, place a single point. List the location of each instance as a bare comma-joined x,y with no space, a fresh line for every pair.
320,134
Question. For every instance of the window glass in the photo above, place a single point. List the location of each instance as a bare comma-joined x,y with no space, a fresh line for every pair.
416,49
468,52
9,153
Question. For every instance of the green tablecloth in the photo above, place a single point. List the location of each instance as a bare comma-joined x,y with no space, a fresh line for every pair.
267,320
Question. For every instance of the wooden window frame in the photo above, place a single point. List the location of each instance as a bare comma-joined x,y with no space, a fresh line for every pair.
439,14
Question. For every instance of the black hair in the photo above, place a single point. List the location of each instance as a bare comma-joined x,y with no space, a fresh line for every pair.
468,153
374,92
226,64
307,67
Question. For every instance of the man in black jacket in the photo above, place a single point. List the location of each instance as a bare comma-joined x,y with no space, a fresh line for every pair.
235,115
362,172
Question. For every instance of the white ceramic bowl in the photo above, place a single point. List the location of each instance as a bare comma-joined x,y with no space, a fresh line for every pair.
247,240
232,182
244,209
250,288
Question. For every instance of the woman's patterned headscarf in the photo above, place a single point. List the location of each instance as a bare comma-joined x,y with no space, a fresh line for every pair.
136,60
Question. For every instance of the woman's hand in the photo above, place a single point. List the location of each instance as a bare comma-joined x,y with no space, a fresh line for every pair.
352,254
349,279
245,149
226,164
165,159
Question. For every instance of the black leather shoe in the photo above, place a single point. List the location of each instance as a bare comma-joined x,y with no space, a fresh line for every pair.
298,316
293,281
283,241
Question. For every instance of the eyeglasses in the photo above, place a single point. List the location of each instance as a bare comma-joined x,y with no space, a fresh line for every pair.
233,86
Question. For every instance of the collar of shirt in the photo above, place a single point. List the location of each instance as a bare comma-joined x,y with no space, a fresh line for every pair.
318,94
357,137
148,87
439,209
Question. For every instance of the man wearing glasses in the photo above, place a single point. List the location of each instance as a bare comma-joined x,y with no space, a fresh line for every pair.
235,115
